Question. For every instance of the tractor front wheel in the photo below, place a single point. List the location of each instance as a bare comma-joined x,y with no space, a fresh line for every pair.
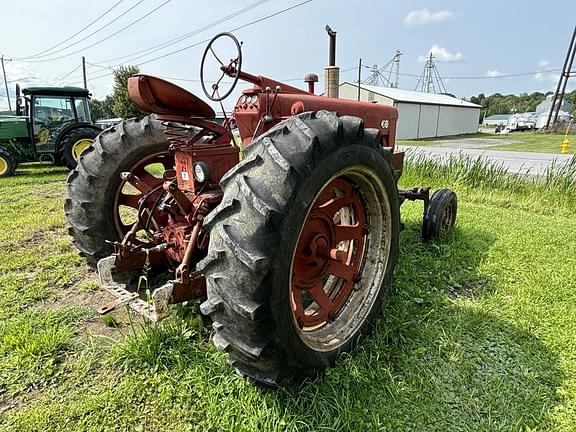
7,163
74,143
440,215
302,247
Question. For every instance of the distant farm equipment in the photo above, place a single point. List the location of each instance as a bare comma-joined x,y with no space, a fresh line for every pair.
51,124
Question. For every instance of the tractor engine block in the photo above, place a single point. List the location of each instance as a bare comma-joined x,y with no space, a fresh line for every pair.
174,215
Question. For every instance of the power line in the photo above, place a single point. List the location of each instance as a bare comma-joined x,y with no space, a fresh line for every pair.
489,77
402,74
100,66
355,67
505,76
302,78
233,30
63,77
22,79
180,38
75,34
281,80
84,38
113,34
207,40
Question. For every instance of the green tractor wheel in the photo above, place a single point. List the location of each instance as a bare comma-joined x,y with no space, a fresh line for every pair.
7,163
74,143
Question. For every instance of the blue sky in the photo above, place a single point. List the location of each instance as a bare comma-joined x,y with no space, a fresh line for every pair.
468,39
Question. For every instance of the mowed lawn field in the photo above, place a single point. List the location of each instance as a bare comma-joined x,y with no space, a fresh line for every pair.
478,331
515,141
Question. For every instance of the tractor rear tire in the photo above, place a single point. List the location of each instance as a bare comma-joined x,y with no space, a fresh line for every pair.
302,188
7,163
94,187
74,143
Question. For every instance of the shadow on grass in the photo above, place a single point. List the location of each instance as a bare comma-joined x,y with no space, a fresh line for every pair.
440,359
437,360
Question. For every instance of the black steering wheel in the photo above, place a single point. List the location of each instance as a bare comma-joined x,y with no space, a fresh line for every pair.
232,69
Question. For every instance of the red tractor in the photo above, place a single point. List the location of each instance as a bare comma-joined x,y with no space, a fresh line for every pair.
292,245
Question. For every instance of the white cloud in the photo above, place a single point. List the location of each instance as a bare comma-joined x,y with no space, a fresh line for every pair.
544,77
24,75
543,63
493,73
18,73
442,55
426,16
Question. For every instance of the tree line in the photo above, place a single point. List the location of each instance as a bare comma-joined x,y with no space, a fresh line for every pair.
498,103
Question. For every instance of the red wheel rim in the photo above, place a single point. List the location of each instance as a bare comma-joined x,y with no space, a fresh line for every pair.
328,255
143,172
447,216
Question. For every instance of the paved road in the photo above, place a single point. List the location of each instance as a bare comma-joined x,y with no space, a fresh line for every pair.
528,163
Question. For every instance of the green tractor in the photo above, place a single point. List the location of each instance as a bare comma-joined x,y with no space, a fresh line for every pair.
52,124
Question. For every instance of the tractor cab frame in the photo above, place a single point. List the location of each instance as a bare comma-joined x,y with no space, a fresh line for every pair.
51,113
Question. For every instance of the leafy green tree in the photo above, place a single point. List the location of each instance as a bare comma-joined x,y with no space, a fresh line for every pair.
102,109
571,97
123,107
503,104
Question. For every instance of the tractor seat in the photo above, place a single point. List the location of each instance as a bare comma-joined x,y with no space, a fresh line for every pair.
155,95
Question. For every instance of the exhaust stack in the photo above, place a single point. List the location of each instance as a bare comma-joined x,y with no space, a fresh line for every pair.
331,72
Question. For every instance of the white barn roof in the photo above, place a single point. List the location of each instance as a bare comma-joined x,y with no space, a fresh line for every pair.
399,95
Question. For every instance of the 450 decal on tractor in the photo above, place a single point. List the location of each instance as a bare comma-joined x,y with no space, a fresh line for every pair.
291,247
51,124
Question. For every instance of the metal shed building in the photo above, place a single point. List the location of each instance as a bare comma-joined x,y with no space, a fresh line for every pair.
420,115
496,120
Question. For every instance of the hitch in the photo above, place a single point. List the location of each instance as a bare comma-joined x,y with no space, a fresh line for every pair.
415,194
115,284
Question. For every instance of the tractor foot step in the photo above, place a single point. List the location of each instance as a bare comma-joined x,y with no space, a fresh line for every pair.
115,284
122,297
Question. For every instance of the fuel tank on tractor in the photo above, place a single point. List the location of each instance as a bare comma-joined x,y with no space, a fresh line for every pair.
13,127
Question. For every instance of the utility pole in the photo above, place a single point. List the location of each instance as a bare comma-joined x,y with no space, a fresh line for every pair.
359,77
561,87
6,84
84,72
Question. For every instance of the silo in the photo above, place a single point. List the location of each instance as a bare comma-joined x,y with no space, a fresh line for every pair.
543,109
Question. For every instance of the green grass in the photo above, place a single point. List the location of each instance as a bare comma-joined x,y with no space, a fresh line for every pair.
537,142
556,191
522,141
477,332
32,346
